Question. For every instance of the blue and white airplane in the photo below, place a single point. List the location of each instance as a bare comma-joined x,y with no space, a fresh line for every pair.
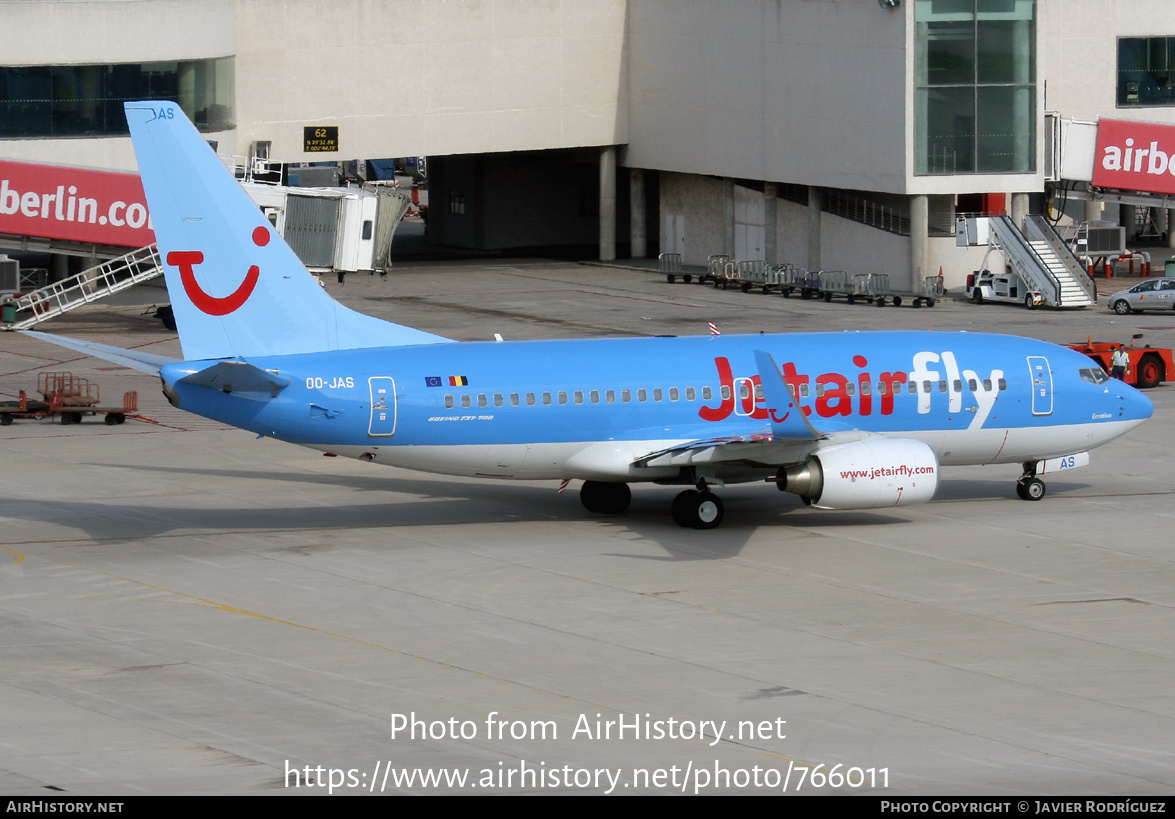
849,420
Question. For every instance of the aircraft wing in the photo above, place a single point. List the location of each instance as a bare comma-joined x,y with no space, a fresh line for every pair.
135,359
763,448
789,439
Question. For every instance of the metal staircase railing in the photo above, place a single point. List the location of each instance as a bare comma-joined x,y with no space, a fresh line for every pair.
1037,265
88,286
1077,288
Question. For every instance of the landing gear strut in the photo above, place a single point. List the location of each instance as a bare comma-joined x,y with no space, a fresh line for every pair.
698,508
605,498
1030,487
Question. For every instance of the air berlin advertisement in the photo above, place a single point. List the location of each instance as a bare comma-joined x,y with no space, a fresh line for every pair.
74,204
1135,156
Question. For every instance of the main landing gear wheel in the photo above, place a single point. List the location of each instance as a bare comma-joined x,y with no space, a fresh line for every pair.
1030,489
605,498
697,510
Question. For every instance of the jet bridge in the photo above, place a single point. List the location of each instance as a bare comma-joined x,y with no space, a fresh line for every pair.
1038,256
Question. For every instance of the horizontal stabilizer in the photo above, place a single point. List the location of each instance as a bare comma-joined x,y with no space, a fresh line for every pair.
238,376
135,359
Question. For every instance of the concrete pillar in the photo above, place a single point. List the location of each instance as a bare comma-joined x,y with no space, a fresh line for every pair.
815,206
1170,227
60,268
770,226
1019,209
728,217
1093,211
608,204
636,209
1128,218
919,240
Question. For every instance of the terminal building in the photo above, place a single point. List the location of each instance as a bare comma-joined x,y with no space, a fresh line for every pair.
832,134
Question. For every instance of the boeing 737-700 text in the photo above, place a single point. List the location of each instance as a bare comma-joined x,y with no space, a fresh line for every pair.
849,420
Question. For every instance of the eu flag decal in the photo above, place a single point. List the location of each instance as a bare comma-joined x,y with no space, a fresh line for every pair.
433,381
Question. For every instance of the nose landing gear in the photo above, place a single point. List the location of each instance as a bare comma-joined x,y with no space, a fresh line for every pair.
1030,487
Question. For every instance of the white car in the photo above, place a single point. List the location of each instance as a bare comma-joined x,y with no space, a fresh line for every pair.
1152,294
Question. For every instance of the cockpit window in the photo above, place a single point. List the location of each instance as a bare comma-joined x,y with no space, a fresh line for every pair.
1094,375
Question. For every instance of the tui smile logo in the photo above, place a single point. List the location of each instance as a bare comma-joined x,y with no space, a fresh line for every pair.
186,261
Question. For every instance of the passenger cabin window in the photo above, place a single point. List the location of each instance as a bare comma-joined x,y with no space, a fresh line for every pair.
690,394
530,399
449,402
465,402
707,393
626,396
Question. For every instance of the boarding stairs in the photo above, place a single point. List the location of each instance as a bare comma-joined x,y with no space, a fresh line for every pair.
1043,261
88,286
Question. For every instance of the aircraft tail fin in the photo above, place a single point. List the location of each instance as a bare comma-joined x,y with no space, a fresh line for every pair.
237,289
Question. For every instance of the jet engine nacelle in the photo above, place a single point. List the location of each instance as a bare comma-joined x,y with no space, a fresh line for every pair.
865,475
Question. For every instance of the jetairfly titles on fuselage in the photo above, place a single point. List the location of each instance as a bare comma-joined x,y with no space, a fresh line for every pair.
658,390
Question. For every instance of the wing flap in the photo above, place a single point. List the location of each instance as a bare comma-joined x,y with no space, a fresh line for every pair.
763,448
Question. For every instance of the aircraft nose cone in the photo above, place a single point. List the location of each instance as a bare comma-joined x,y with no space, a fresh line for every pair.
1133,405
